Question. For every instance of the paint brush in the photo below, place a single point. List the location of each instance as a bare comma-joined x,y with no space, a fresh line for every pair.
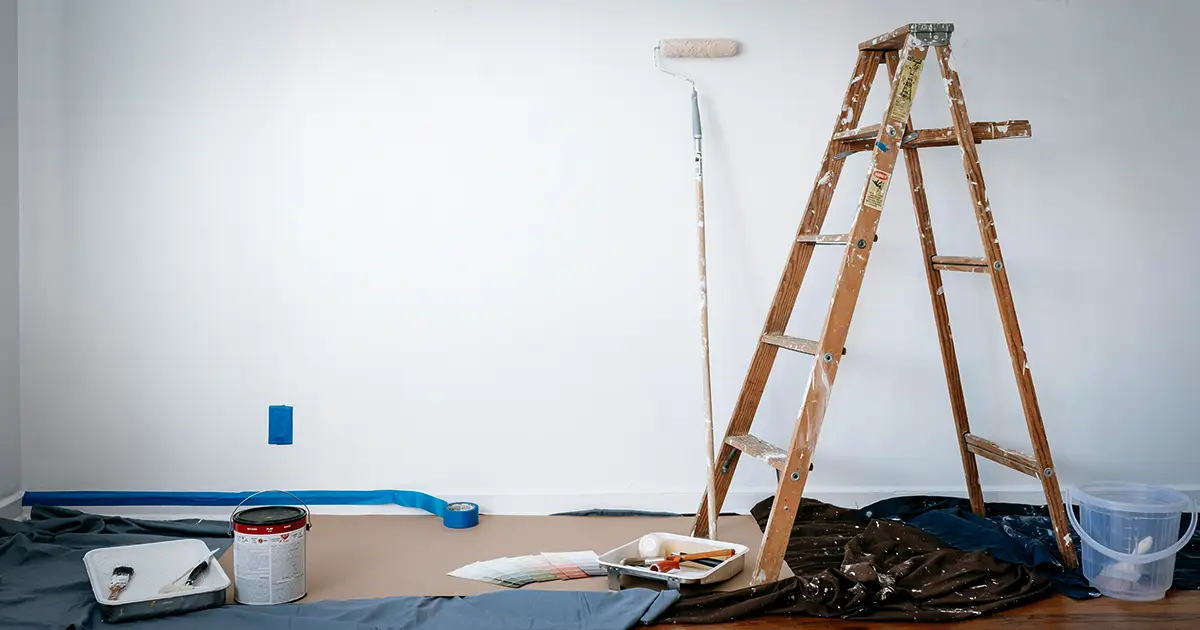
119,580
194,575
673,561
706,559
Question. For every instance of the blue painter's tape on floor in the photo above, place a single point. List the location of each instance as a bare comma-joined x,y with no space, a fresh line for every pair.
456,515
279,424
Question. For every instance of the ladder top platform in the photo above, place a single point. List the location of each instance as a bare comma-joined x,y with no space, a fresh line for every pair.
933,33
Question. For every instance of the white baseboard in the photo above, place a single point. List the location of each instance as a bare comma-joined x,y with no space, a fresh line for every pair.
10,506
739,501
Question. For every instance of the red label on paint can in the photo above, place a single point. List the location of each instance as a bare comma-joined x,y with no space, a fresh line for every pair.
270,529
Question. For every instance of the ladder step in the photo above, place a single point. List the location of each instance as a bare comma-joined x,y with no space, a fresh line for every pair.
959,263
759,449
826,239
1015,460
804,346
981,131
870,132
863,139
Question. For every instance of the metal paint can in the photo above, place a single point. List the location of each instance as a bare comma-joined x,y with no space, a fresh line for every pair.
270,553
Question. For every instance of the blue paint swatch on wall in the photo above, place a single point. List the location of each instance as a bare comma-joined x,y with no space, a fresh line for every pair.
279,424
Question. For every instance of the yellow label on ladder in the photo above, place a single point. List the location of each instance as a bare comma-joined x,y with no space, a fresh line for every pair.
910,73
877,190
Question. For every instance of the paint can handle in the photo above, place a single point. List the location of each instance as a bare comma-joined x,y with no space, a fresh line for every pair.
307,510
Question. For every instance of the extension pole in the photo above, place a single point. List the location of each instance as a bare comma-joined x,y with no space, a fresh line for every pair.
707,375
711,49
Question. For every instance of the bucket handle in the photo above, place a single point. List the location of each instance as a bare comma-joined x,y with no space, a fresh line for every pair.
307,510
1133,558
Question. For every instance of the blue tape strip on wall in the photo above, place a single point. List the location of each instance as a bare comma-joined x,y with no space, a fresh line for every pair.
455,515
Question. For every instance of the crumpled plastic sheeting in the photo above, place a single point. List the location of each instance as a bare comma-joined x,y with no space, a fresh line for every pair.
1016,533
848,565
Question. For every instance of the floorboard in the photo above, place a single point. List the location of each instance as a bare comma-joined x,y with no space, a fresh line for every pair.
1180,609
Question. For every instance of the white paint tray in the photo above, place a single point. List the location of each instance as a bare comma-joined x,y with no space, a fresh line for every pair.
675,543
154,566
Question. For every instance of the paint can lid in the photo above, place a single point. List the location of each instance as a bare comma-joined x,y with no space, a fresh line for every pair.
269,515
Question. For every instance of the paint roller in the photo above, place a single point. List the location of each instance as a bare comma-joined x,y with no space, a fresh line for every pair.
700,49
693,49
711,48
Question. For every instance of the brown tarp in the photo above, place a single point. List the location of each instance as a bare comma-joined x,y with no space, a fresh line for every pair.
850,566
368,556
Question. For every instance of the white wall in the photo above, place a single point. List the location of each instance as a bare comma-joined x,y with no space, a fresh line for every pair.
10,374
458,238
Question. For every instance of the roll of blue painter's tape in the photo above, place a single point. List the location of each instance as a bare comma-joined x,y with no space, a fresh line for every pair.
460,515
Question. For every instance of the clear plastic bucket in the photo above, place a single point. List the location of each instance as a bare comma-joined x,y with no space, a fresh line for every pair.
1130,534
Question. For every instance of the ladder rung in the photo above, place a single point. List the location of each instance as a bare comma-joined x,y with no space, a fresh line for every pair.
863,138
1015,460
862,133
981,131
759,449
826,239
805,346
959,263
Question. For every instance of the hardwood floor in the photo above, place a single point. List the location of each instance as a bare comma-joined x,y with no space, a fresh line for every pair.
1180,609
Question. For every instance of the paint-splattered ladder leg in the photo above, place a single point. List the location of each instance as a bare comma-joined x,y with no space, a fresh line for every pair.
1008,313
941,315
789,284
841,311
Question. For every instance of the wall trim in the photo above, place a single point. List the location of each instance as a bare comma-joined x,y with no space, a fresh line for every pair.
10,506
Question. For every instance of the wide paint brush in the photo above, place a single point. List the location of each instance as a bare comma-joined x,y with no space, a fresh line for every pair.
119,580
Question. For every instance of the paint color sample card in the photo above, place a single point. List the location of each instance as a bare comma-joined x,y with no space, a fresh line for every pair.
522,570
563,563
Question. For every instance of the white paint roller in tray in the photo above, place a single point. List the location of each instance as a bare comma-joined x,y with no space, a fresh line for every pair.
700,49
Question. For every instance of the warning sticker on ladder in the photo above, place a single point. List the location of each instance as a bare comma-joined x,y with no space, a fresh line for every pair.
877,190
906,88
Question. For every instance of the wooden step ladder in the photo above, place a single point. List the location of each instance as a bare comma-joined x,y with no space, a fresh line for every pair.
904,51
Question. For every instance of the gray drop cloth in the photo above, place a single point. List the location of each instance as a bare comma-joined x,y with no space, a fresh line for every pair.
43,583
506,610
43,586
